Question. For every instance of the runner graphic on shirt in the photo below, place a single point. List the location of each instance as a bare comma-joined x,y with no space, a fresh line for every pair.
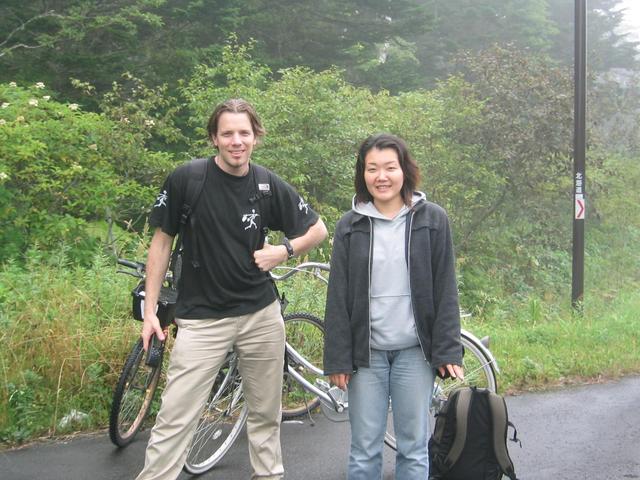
161,199
250,217
302,205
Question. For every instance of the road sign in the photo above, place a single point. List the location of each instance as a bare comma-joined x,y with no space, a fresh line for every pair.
580,207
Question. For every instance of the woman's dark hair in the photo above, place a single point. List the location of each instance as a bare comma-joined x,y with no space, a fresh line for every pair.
235,105
408,165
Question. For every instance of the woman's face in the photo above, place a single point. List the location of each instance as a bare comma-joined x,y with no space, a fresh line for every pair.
384,177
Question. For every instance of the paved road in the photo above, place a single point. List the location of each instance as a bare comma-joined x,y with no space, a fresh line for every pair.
581,433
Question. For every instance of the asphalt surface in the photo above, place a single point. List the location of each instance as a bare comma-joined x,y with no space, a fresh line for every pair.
587,432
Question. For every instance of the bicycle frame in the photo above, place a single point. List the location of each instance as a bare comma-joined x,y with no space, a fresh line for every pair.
483,348
313,268
321,392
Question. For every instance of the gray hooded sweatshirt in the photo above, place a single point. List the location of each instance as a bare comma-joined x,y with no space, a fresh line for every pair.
392,322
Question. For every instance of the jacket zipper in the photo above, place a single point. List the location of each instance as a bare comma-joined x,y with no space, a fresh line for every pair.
369,282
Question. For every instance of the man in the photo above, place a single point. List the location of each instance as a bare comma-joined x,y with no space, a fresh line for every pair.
225,295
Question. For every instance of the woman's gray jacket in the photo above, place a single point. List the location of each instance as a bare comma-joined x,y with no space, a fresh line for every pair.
434,292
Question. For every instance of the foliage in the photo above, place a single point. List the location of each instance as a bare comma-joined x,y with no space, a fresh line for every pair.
397,46
61,168
53,41
368,39
63,334
614,99
316,121
525,138
66,332
474,26
607,45
148,113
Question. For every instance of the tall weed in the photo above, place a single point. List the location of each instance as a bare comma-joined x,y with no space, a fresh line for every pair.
65,331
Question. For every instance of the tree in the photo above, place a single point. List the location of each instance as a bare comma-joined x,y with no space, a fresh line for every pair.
57,40
368,39
475,25
526,135
62,168
607,46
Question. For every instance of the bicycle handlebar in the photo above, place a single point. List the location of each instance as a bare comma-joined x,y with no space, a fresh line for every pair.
137,266
313,268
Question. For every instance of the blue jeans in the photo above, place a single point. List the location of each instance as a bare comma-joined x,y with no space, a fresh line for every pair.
405,377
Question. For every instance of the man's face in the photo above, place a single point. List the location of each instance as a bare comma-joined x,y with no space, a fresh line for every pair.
235,141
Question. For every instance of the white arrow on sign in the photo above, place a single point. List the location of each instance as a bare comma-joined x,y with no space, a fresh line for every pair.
580,207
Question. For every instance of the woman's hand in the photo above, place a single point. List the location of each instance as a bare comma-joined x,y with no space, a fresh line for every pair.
454,371
340,380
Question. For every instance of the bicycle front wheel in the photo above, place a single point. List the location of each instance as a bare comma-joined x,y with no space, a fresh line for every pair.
222,419
133,396
305,348
478,372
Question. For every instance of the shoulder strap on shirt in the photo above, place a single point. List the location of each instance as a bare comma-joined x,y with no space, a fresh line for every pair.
196,176
261,192
262,187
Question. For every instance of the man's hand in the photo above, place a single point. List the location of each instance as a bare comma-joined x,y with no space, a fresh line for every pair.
270,256
150,326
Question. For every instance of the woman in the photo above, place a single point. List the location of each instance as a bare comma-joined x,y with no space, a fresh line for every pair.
392,312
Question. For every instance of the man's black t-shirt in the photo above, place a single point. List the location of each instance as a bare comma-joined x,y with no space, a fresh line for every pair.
228,230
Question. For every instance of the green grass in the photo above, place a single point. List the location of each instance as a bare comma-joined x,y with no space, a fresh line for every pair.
65,332
538,347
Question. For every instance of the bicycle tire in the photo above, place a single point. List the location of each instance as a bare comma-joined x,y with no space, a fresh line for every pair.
223,417
133,396
305,335
479,371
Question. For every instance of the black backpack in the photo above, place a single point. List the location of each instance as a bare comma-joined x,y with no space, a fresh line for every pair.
469,439
197,174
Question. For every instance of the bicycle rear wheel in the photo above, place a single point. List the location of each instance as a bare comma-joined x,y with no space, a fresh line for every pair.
478,372
305,339
133,396
222,419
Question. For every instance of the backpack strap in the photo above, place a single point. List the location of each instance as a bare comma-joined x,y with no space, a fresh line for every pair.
261,192
462,420
499,418
262,181
196,176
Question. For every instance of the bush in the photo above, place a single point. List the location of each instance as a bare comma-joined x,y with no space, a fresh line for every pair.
61,167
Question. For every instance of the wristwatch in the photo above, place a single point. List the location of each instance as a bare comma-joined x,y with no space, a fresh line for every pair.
288,246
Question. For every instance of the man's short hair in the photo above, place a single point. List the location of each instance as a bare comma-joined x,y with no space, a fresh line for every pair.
408,165
235,105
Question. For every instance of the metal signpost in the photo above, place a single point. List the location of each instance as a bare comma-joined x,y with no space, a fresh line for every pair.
579,192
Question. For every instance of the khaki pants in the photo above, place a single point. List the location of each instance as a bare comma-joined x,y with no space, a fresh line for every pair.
199,350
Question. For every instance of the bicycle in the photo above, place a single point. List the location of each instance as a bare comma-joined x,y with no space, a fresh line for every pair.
225,413
139,381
